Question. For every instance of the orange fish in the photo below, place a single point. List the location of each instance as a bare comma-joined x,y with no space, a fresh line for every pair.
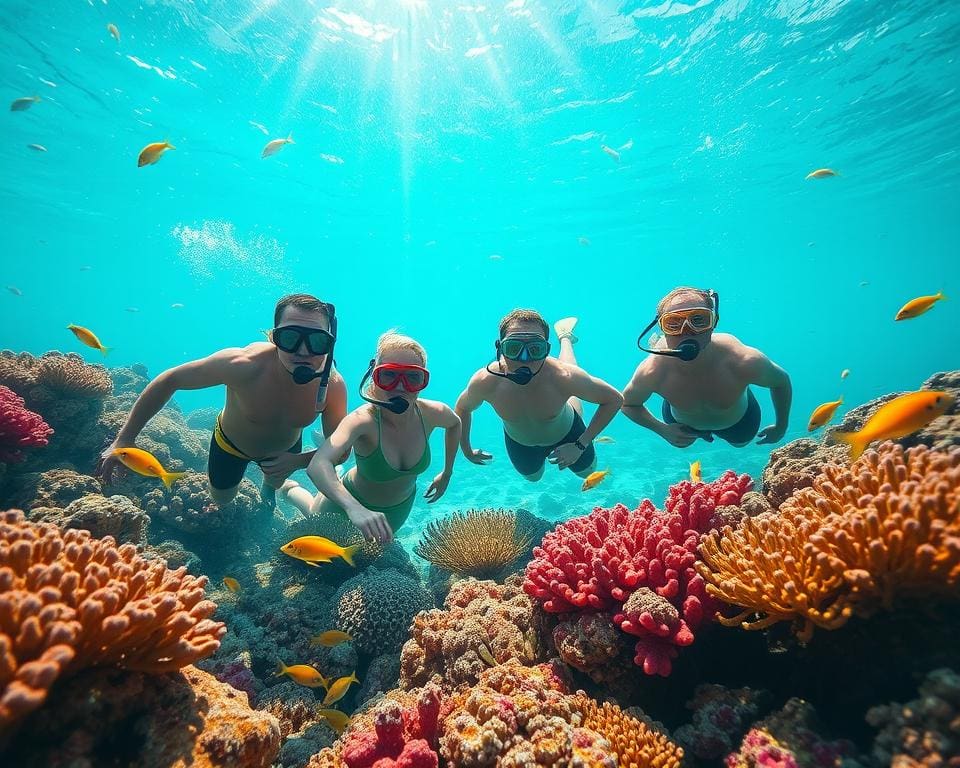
919,305
146,464
153,152
822,414
696,476
275,146
594,479
339,689
88,337
331,638
338,720
114,32
316,549
821,173
900,417
232,584
303,674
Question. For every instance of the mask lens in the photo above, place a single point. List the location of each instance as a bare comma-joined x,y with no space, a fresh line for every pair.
319,342
413,380
386,378
287,339
511,348
701,319
537,350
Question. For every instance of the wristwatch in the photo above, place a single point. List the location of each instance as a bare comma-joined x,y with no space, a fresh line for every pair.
579,445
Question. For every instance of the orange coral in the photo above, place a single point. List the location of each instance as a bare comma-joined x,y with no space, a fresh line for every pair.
886,526
636,744
69,601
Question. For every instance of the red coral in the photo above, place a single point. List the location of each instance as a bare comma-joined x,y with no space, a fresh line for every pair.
638,566
19,427
402,736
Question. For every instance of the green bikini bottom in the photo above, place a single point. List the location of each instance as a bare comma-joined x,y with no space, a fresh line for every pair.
396,514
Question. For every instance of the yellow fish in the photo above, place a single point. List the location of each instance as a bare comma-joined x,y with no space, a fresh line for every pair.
696,476
18,105
900,417
303,674
338,720
918,306
146,464
594,479
331,638
88,337
232,584
844,373
275,146
339,689
604,440
821,173
822,414
316,549
153,152
114,32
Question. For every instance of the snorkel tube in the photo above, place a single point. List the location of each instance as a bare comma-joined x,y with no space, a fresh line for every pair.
686,350
304,374
395,404
522,376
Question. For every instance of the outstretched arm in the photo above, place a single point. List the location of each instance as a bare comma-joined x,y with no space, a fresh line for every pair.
446,418
635,396
765,373
581,384
470,399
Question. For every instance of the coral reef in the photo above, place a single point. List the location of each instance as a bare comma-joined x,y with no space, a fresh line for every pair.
924,733
479,619
376,608
592,643
885,527
129,381
69,601
174,553
53,488
19,427
795,465
721,717
204,419
114,516
478,542
188,507
112,717
635,743
638,566
382,675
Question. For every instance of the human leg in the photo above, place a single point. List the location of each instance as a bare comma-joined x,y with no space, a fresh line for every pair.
564,330
224,473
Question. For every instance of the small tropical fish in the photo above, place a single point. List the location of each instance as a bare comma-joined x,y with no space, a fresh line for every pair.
316,549
594,479
822,414
338,720
275,146
484,653
821,173
604,440
176,305
496,257
583,241
303,674
232,584
114,32
85,268
88,337
696,476
864,283
14,290
916,307
145,463
259,127
132,309
900,417
338,689
611,152
37,147
19,105
153,152
331,638
844,373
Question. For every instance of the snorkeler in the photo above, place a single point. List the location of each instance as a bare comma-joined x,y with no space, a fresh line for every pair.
390,437
274,390
538,398
704,377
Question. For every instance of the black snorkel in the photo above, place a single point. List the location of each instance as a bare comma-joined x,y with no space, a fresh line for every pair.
688,349
522,376
304,374
395,404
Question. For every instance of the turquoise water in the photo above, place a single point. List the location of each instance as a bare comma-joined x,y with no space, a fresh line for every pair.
432,136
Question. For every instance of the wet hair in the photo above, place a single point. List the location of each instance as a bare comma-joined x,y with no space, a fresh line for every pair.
703,295
391,341
303,301
524,316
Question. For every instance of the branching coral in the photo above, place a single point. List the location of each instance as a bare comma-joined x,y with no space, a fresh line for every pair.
887,526
69,601
19,427
636,744
475,543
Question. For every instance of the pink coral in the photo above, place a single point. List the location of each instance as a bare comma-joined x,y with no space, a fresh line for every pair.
638,565
19,427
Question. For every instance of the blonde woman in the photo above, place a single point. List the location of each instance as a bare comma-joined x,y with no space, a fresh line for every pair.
390,437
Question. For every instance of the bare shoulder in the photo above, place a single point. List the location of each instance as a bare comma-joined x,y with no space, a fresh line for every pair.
434,412
736,349
243,362
482,382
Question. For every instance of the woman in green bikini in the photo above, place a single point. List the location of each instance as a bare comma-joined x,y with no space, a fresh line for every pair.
390,439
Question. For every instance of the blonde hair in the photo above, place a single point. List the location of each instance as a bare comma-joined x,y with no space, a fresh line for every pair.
705,296
392,340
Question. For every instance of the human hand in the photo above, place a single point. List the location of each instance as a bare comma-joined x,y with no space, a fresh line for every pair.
437,488
108,464
476,456
772,434
276,469
373,525
564,455
677,435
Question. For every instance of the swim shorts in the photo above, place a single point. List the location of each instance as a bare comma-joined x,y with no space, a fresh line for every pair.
739,434
529,459
225,468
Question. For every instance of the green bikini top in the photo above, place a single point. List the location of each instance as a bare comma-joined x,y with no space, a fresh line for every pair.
374,467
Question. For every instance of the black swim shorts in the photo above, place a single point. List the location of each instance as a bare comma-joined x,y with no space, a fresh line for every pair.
226,470
529,459
739,434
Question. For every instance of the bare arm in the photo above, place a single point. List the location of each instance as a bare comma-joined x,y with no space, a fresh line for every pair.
765,373
470,399
594,390
635,396
334,411
450,422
